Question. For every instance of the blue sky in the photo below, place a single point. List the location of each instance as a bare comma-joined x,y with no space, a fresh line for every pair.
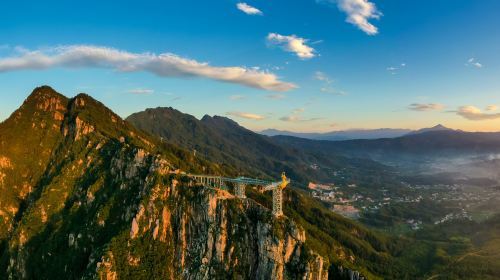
302,65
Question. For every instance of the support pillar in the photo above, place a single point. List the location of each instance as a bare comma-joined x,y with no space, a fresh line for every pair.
239,190
277,202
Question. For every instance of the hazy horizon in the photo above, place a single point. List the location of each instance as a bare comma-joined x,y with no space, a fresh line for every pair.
333,129
316,67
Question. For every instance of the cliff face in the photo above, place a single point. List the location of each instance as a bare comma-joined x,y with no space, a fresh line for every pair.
210,234
87,197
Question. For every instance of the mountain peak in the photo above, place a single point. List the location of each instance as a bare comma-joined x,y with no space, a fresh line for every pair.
438,127
43,93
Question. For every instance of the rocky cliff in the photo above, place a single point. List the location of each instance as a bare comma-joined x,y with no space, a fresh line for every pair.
87,196
210,234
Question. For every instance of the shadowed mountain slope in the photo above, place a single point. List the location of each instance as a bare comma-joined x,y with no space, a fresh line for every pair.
226,143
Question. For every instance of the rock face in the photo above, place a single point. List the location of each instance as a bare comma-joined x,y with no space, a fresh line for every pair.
211,235
97,198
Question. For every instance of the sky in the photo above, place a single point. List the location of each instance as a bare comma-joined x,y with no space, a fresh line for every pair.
302,65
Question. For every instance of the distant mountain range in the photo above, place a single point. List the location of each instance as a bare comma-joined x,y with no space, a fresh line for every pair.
223,141
433,149
352,134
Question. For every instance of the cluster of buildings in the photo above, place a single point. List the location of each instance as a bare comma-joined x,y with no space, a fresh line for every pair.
454,216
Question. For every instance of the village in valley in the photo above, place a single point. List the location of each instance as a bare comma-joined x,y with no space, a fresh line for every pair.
456,201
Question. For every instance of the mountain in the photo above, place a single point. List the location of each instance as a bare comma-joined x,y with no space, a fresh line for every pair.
437,150
86,195
438,127
342,134
230,145
220,139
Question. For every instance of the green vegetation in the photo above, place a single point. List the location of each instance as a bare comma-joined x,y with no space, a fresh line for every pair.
73,186
239,151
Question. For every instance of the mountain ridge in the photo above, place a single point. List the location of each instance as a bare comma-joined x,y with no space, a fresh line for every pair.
341,135
101,183
106,199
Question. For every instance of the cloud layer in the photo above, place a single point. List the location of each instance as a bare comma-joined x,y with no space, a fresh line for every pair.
249,116
163,65
426,107
247,9
358,13
292,44
475,114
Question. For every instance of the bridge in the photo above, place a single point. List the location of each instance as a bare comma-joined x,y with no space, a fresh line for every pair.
240,184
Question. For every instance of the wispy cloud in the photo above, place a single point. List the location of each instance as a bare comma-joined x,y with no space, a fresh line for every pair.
237,97
358,13
475,114
426,107
292,44
394,69
332,91
474,63
141,91
321,76
327,86
244,115
296,116
163,65
247,9
276,96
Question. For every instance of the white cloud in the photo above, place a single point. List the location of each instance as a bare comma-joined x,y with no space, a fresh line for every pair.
473,62
394,69
296,116
244,115
491,108
292,44
426,107
247,9
358,13
276,96
141,91
475,114
163,65
237,97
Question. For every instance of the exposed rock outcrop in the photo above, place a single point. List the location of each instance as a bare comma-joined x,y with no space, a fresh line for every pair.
213,236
